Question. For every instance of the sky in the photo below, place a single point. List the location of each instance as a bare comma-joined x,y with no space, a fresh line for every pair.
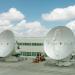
34,18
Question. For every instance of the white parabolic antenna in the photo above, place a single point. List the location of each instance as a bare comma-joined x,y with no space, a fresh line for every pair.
7,43
59,43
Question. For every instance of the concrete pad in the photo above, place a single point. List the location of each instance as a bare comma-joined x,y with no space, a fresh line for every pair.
26,67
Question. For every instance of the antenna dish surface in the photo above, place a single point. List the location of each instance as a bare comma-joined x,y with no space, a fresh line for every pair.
7,43
59,43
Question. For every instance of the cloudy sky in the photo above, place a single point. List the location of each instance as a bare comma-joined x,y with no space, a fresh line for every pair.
34,18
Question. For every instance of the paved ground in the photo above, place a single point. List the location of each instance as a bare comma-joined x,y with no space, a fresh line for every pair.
26,67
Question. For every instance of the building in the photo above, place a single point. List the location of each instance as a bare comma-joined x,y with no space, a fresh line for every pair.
30,46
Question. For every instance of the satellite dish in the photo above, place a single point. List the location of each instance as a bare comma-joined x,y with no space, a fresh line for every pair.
7,43
59,43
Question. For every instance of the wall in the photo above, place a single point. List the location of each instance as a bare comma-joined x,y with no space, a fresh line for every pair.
30,46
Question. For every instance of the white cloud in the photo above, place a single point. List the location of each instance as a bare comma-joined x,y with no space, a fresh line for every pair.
12,15
5,22
71,25
35,29
15,21
60,14
8,18
32,29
